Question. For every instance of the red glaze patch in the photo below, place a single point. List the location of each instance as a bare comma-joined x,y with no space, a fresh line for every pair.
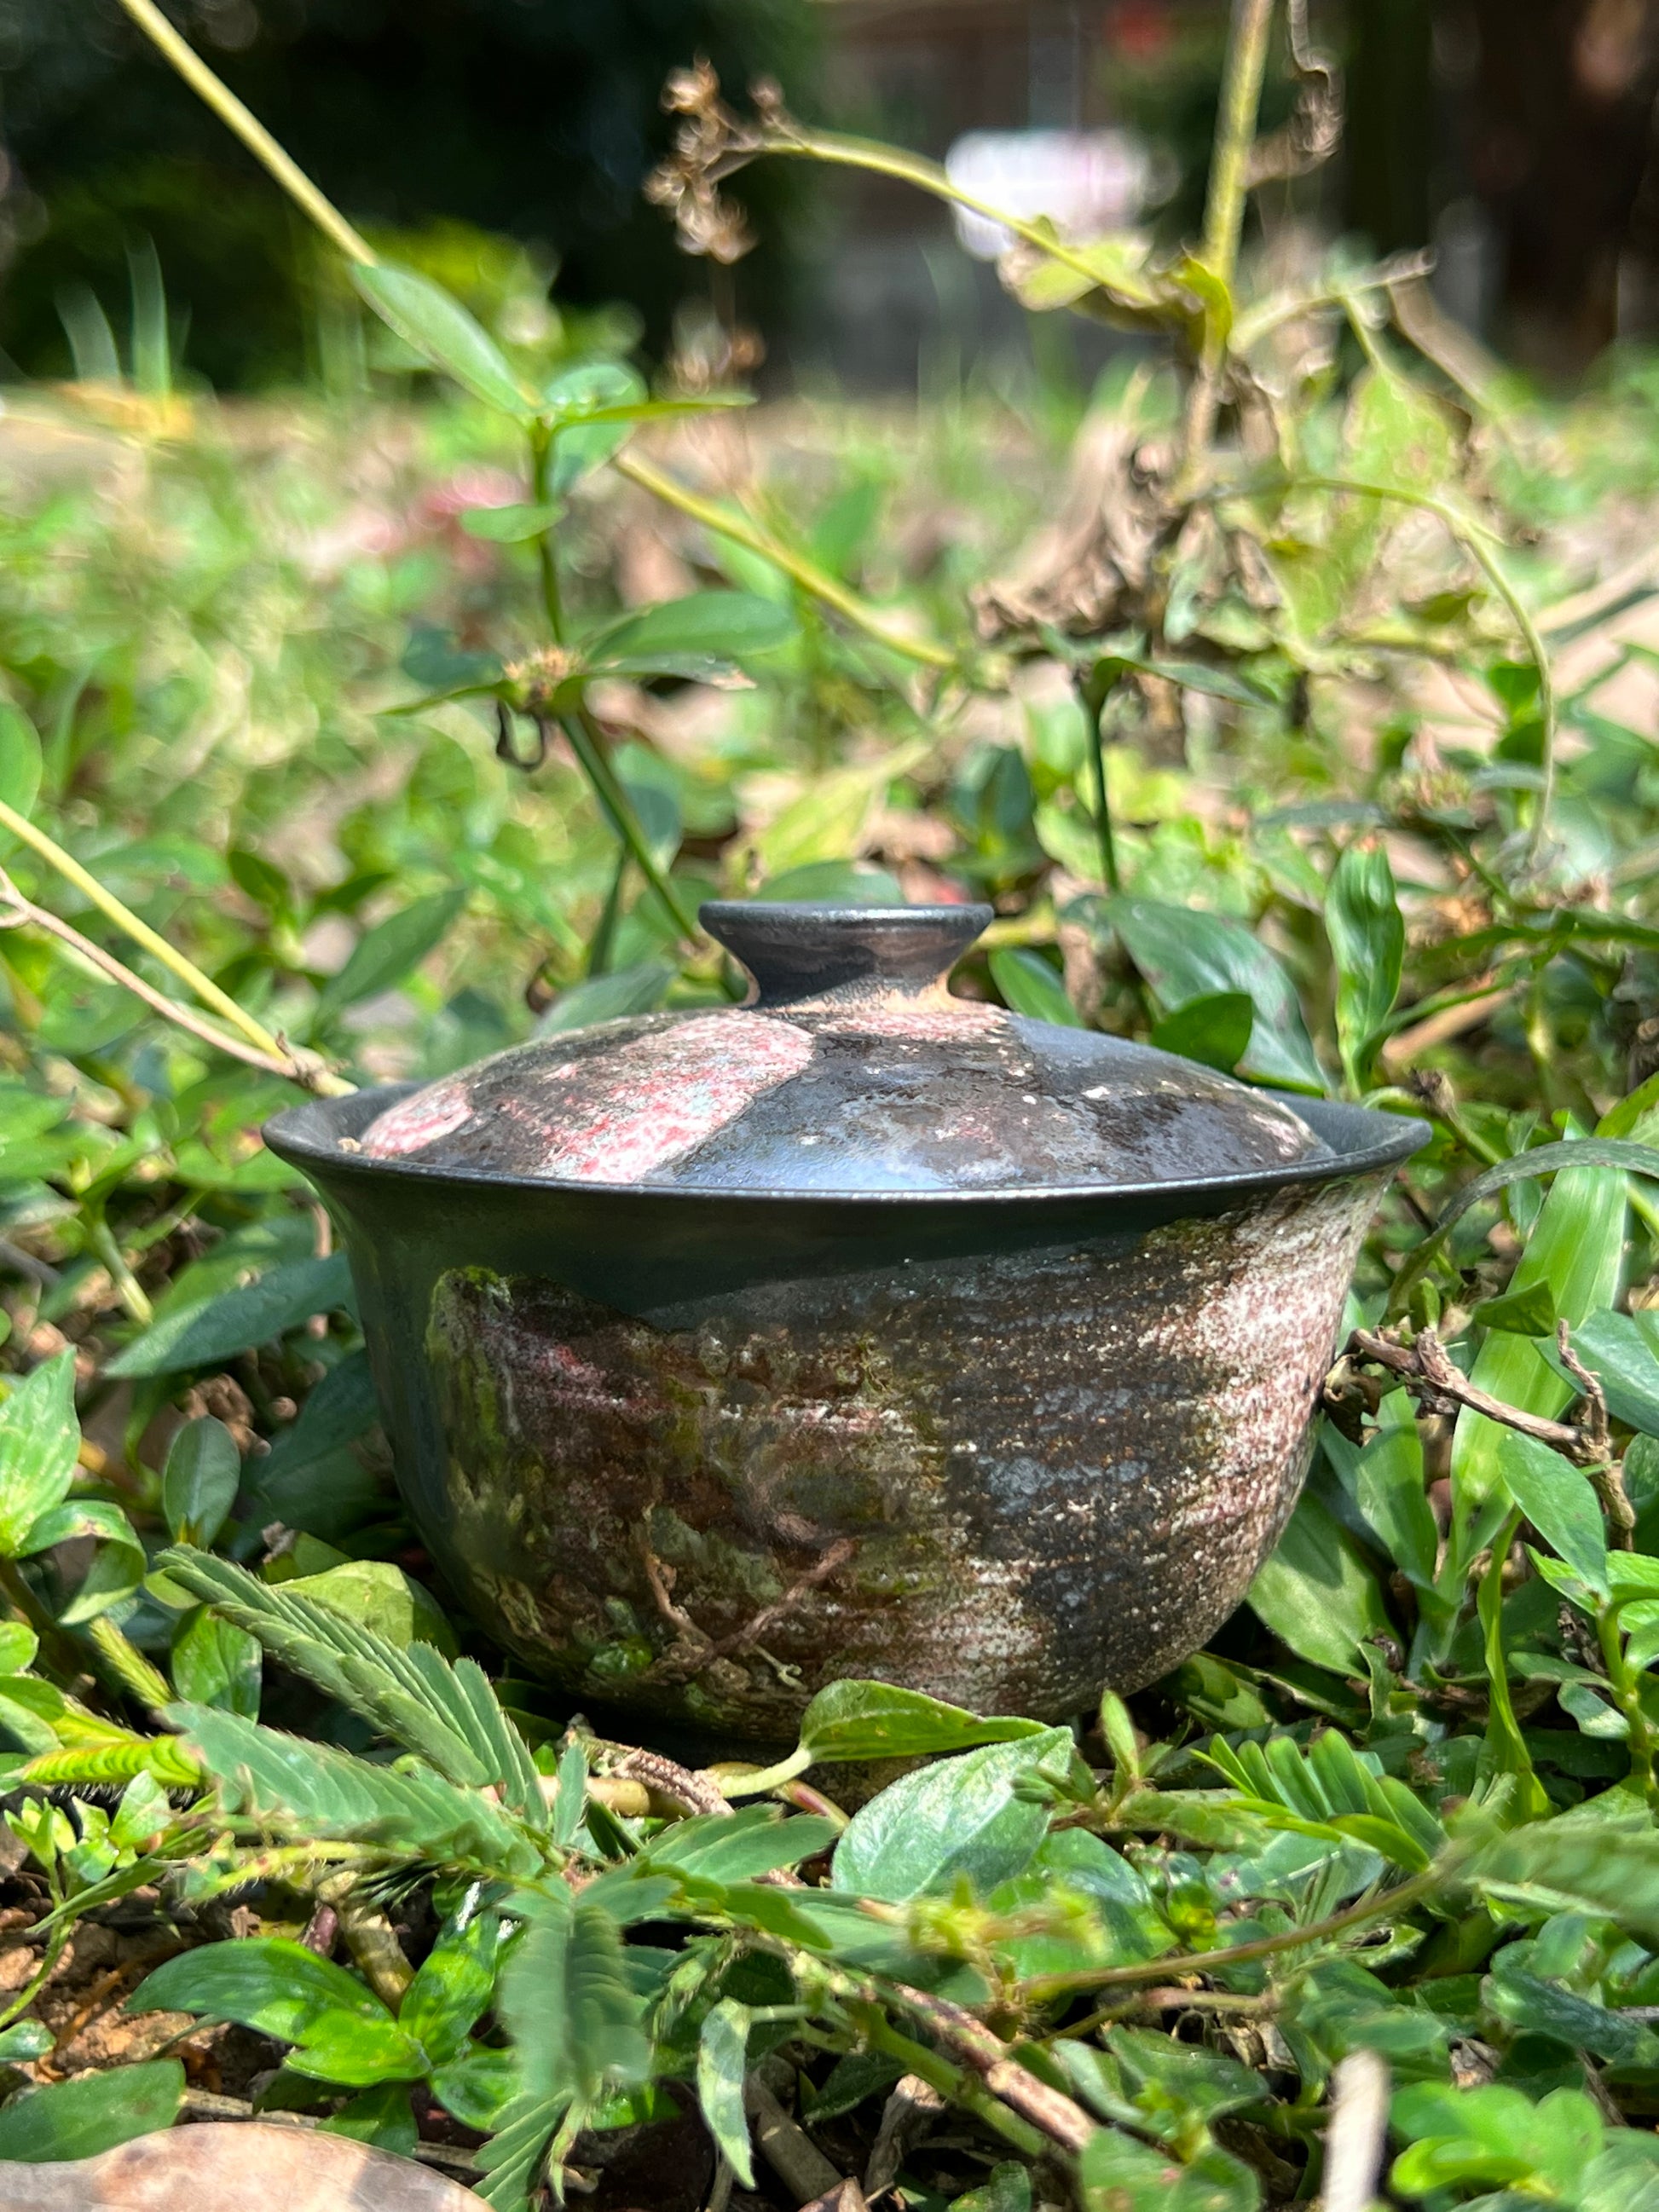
417,1121
620,1119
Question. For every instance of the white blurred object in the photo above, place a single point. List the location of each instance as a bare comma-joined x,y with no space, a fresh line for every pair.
1085,181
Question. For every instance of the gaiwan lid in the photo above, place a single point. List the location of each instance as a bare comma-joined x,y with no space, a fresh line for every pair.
850,1068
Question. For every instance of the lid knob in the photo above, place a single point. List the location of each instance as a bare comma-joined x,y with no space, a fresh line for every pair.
800,954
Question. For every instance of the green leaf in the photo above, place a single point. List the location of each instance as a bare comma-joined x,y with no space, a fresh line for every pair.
18,1646
591,410
1007,2189
509,525
383,956
267,1983
566,2001
1368,939
23,2041
1386,1482
1119,2174
1213,1030
854,1719
722,2057
694,636
1030,985
728,1847
1530,1312
435,324
206,1333
1317,1594
1622,1350
19,763
213,1662
342,1408
639,989
1556,1497
84,2118
452,1987
309,1789
200,1481
443,669
117,1565
447,1715
959,1817
39,1438
1186,954
383,1598
381,2117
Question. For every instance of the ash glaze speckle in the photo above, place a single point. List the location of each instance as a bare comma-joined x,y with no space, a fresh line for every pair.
1055,1470
920,1095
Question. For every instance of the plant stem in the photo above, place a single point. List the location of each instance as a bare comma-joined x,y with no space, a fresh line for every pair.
742,531
1223,212
299,1067
248,127
129,1665
589,748
541,462
128,1288
274,1052
1626,1689
1045,1987
1094,708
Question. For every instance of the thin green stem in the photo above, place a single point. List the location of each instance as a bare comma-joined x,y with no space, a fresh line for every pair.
541,464
952,2082
248,127
1626,1692
1109,869
1223,213
589,748
810,577
1045,1987
128,1288
188,973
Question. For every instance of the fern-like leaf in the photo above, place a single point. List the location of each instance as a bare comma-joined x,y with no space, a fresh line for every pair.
293,1788
447,1716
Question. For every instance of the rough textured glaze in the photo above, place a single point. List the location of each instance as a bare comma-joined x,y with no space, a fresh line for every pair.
857,1331
1004,1479
854,1070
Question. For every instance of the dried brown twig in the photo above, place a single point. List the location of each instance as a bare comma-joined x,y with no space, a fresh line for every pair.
1428,1371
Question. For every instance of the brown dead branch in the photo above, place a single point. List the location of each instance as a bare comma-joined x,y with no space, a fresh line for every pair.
1059,2117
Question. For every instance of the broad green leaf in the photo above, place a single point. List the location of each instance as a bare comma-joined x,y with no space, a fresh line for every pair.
383,956
1368,938
200,1481
1622,1350
443,669
435,323
117,1565
1397,435
18,1646
1007,2189
39,1439
268,1983
1213,1029
454,1986
381,2117
23,2041
835,882
591,410
1317,1594
1577,1247
509,525
854,1719
207,1333
722,2057
1386,1482
1530,1312
84,2118
1118,2174
728,1847
19,763
1556,1497
694,636
1185,954
214,1662
383,1598
959,1817
639,989
1032,986
342,1408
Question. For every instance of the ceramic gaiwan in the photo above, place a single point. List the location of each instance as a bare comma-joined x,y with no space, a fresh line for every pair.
858,1330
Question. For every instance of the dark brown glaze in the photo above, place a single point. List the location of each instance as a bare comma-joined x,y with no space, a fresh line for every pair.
1006,1479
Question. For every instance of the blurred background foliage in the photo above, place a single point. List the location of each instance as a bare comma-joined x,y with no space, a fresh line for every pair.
1514,134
